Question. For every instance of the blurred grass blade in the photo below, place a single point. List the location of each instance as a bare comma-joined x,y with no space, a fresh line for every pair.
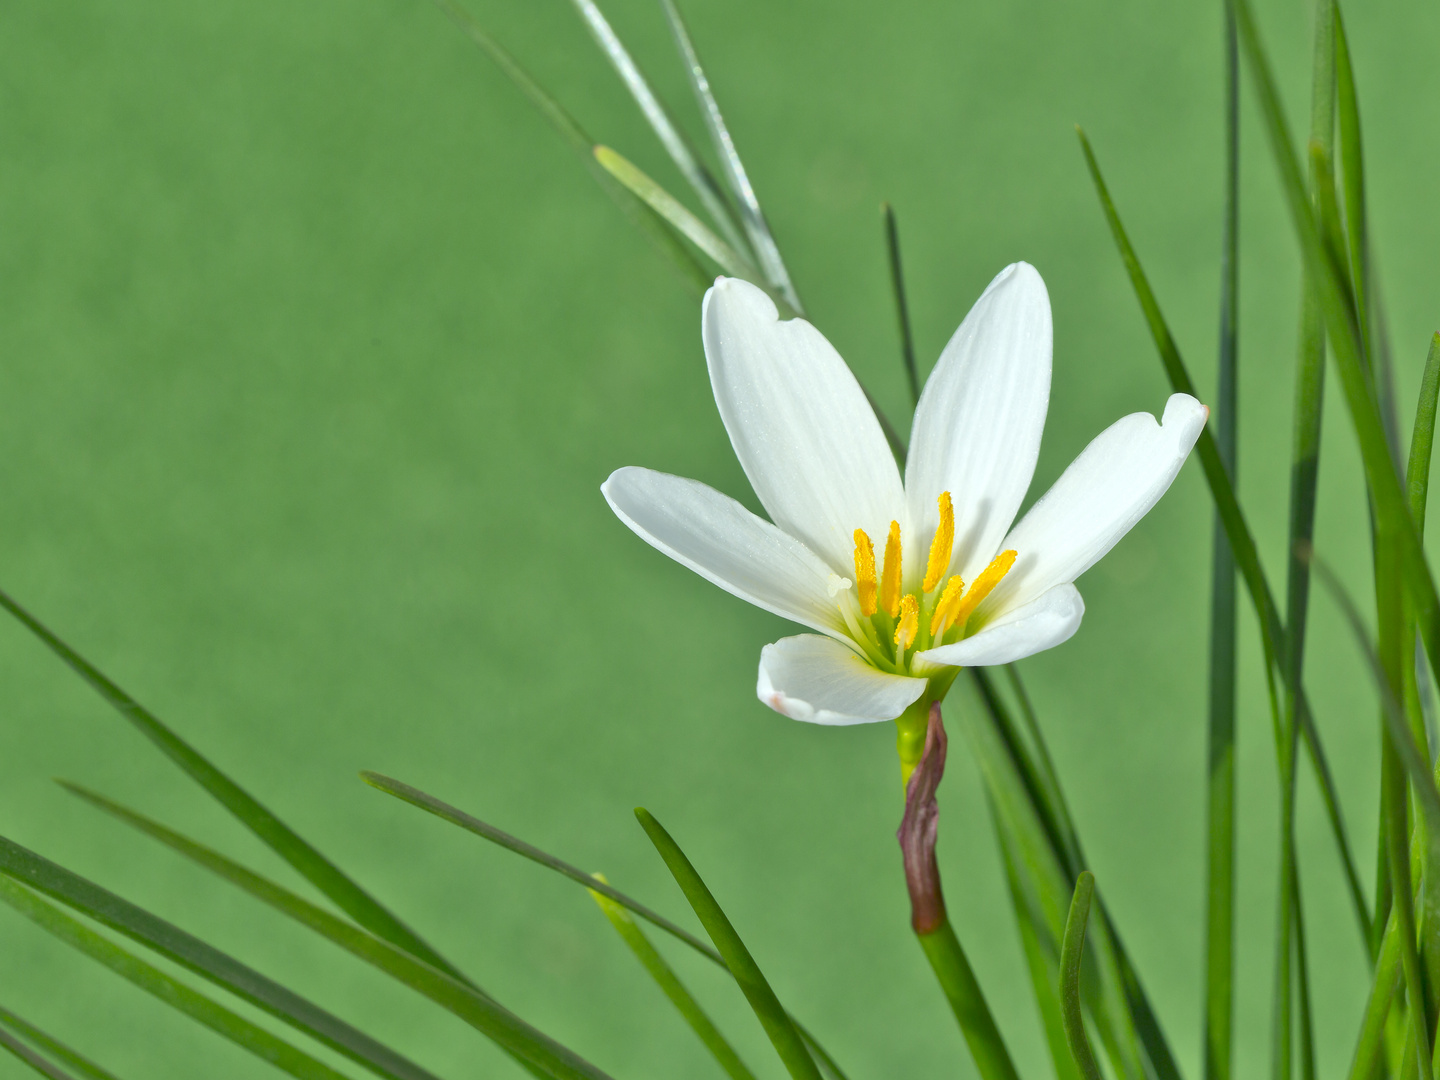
772,1016
711,195
476,1008
756,226
902,309
1352,165
278,836
1371,1042
1242,542
193,954
1071,952
670,984
36,1061
455,816
669,208
641,216
153,981
1422,438
82,1066
1218,1049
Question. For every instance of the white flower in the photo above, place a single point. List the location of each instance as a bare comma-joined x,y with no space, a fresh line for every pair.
967,589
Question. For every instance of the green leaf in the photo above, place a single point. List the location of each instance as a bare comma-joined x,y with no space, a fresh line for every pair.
1386,982
772,1016
1071,952
475,1007
670,984
31,1058
278,836
1422,439
752,217
82,1066
967,1001
902,309
174,993
193,954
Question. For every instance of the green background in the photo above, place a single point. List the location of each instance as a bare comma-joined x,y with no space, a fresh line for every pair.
316,344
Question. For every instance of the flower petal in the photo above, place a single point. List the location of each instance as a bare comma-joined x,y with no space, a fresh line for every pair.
977,427
801,427
822,682
1041,624
1098,499
725,543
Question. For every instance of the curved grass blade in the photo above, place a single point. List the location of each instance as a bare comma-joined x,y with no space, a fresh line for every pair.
1371,1042
37,1062
529,1046
670,208
455,816
1242,542
174,993
753,218
902,309
670,984
194,955
279,837
772,1016
83,1066
642,217
1071,952
1422,438
711,194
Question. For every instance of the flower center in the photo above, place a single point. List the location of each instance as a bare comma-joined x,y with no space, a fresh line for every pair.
892,624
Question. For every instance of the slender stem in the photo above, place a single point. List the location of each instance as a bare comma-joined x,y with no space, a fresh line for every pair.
902,309
967,1002
1072,950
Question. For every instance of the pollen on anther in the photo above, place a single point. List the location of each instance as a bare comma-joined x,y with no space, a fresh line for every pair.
942,545
909,624
945,607
865,581
984,585
890,579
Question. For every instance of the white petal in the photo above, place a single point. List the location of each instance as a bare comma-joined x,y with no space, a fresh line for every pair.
724,543
1098,499
822,682
801,427
977,427
1039,625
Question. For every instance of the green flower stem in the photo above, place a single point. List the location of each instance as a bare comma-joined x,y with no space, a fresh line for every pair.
910,736
1072,950
957,979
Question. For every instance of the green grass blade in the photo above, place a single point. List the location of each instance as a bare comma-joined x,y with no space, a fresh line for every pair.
967,1001
641,216
711,194
1422,438
174,993
756,227
1352,164
1071,952
690,226
768,1010
902,308
529,1046
83,1067
1371,1041
1237,531
37,1062
278,836
670,984
193,954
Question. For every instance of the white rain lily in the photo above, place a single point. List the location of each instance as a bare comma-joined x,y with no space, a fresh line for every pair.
905,581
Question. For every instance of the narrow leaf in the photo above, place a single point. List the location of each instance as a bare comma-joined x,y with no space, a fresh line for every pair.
772,1016
174,993
1422,439
37,1062
81,1065
1071,952
902,309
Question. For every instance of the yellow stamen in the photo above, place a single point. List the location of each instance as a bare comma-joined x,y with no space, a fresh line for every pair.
865,572
909,624
984,584
941,545
945,607
890,582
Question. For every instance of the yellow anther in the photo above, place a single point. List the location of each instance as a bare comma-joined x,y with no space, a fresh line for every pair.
890,582
941,545
909,624
984,584
865,572
945,607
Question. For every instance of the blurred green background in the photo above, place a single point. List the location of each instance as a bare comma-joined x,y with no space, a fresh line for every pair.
317,344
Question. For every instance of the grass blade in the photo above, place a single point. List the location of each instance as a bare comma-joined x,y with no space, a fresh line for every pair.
278,836
174,993
641,216
1352,163
753,218
1071,952
193,954
1422,438
768,1010
670,984
1242,542
529,1046
40,1064
83,1066
711,195
902,309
